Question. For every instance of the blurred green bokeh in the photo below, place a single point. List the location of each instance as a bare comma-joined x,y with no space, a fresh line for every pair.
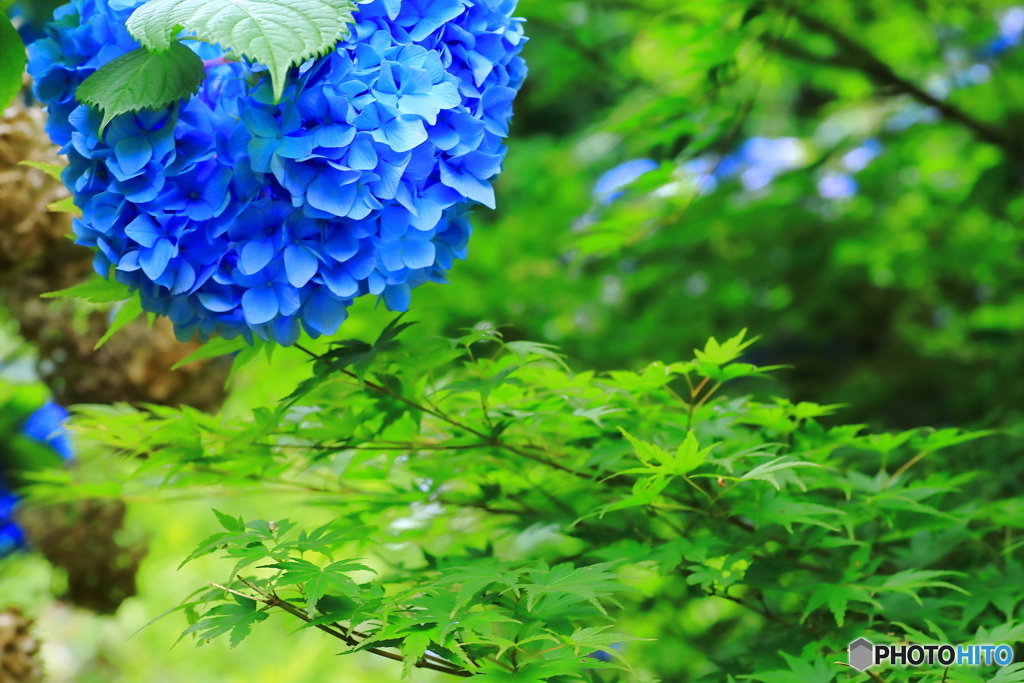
871,234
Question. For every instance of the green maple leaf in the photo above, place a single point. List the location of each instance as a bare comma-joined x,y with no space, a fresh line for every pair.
837,597
589,583
94,290
236,618
317,582
477,577
277,33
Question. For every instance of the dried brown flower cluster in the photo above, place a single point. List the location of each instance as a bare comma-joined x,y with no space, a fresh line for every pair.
19,650
36,256
81,538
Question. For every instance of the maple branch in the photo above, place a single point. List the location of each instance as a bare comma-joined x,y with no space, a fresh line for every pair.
853,55
335,630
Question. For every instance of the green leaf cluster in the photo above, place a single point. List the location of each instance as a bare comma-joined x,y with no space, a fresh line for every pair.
530,529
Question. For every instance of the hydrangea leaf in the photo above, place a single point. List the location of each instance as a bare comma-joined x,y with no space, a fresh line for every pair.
12,61
143,80
277,33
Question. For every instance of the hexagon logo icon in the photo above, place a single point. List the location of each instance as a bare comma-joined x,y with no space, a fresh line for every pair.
861,654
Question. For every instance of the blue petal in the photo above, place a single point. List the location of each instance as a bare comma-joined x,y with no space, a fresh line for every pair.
342,244
185,279
469,186
285,330
154,261
255,255
133,154
438,12
333,135
418,253
404,132
259,305
361,155
295,147
324,313
261,124
261,152
299,264
144,230
47,424
339,281
129,262
391,255
397,297
218,302
482,166
288,298
325,194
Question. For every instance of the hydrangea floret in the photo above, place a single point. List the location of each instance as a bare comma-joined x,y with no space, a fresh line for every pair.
236,214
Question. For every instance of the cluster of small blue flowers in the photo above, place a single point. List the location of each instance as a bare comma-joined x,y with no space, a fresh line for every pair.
233,214
46,426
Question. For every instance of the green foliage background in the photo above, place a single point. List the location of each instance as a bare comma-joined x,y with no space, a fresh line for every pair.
900,308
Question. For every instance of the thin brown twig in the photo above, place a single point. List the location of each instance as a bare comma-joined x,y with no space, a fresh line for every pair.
489,440
427,662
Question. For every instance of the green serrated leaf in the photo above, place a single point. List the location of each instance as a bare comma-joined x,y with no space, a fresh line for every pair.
212,349
318,582
523,349
66,205
277,33
235,525
591,583
143,79
95,290
413,648
52,170
12,61
647,452
131,310
689,455
234,618
244,357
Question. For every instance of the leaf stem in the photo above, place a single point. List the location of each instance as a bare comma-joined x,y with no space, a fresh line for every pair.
272,600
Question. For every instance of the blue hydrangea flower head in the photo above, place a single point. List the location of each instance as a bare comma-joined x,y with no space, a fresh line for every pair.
236,215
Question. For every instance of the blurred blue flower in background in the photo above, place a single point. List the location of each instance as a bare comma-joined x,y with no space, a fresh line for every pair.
11,535
1011,29
761,160
836,186
46,426
609,186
